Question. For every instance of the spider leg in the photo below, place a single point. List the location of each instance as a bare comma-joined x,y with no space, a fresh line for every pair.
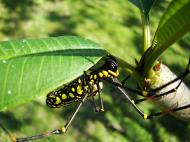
56,131
101,109
125,80
11,136
95,104
141,113
151,95
167,111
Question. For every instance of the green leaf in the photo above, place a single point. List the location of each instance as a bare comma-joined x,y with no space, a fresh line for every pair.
143,5
33,67
173,25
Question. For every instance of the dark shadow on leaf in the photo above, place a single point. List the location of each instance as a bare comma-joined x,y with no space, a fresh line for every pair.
9,121
75,52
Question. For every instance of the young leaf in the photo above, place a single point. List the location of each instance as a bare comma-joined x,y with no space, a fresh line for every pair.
173,25
143,5
33,67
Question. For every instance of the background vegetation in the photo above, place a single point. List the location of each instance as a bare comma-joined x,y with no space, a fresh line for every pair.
116,26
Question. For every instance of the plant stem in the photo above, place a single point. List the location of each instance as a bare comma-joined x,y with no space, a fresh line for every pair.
146,31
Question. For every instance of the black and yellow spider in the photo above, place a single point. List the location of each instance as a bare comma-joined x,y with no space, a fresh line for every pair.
90,85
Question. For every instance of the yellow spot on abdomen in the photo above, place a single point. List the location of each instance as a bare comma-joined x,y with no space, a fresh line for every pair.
95,76
91,76
71,95
78,97
79,80
73,89
100,74
86,87
79,90
91,82
105,73
64,96
58,100
95,88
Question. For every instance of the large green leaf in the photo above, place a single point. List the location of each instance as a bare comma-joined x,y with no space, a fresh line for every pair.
33,67
143,5
173,25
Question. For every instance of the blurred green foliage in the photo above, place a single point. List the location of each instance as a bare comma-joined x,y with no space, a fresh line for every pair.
116,26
